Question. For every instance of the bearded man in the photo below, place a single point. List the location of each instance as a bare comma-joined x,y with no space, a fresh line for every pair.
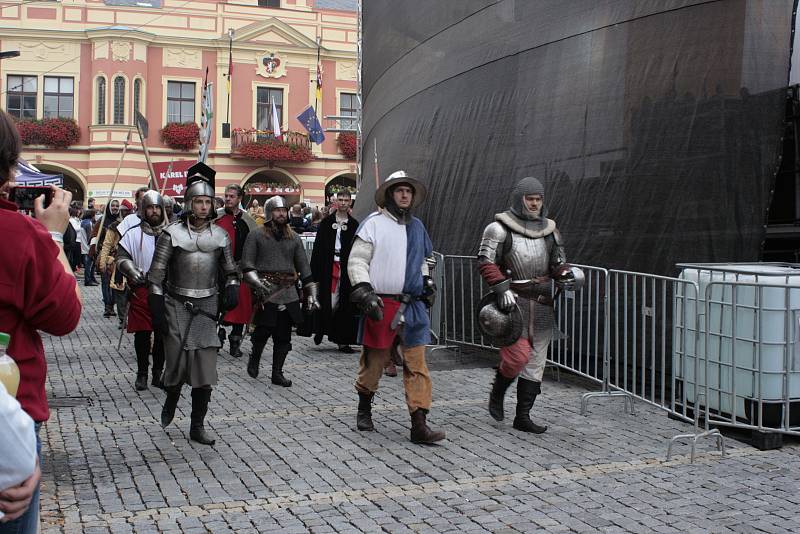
519,254
272,263
134,258
184,298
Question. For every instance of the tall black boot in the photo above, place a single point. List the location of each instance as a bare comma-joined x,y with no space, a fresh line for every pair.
527,390
235,345
364,416
279,352
170,403
141,344
197,431
420,431
255,358
158,361
497,395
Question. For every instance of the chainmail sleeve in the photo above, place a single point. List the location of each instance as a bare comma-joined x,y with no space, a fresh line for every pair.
358,262
250,252
158,268
126,265
301,261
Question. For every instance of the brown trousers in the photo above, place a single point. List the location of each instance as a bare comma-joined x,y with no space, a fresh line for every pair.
416,378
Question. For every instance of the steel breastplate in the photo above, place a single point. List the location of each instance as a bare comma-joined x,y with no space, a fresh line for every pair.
527,258
193,273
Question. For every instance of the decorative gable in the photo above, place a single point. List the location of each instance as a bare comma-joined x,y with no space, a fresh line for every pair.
273,31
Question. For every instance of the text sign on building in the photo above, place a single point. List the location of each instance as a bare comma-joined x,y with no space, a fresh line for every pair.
104,193
175,177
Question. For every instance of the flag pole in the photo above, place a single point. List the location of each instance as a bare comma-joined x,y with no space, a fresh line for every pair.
318,89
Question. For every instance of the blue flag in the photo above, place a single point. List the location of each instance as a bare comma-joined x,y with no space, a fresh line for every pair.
308,119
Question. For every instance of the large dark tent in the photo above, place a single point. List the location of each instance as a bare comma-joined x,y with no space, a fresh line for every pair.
655,125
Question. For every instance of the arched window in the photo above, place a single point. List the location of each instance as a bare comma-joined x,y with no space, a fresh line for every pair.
101,100
119,100
137,96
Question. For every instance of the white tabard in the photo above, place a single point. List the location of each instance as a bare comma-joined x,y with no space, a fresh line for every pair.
387,270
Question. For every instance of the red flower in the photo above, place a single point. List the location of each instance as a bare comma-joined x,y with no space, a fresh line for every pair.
55,133
348,145
180,135
275,150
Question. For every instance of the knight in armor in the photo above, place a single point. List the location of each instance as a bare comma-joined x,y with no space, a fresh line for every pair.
390,273
184,291
238,223
273,262
134,258
520,253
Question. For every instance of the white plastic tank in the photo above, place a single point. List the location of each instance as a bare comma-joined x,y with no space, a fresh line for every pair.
752,331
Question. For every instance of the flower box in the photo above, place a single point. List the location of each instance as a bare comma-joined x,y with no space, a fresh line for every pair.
180,135
348,144
54,133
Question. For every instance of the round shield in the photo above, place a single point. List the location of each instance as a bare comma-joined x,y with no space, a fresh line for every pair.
499,328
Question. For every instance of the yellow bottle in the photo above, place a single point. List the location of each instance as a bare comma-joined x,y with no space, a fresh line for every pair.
9,372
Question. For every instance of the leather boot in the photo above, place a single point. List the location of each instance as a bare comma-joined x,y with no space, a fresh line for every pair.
497,396
420,432
278,358
527,390
255,359
106,312
197,431
170,403
235,345
141,344
364,416
157,381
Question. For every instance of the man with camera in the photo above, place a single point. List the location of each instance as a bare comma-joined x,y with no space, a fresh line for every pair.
37,292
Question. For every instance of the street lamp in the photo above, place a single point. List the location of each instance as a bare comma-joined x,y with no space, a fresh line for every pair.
9,54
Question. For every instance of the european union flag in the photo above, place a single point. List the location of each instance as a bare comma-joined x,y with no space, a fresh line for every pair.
308,119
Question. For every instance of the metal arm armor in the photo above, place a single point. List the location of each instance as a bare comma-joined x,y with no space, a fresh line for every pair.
557,255
129,269
493,238
158,267
229,268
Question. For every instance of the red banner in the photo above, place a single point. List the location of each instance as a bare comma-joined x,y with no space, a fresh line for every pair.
175,177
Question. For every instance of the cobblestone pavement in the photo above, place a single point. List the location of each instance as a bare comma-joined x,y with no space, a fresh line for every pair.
290,460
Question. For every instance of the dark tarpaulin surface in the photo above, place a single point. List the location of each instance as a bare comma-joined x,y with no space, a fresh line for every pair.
655,125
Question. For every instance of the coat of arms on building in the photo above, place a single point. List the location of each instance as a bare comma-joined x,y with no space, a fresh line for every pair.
270,65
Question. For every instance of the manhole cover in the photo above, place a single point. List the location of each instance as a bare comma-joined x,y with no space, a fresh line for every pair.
69,402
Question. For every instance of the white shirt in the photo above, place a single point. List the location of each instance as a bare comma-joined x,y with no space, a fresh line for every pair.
80,236
140,246
17,443
128,222
387,269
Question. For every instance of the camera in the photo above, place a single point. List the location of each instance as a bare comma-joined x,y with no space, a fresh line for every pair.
23,196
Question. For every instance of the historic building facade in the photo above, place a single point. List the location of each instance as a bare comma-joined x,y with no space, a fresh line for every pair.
99,62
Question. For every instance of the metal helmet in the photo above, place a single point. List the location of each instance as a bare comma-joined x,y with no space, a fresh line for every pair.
527,186
200,188
150,198
499,328
274,203
569,278
401,177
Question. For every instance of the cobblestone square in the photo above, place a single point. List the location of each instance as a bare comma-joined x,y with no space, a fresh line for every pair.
290,459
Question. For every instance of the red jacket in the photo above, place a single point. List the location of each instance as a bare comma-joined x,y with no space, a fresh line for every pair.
35,294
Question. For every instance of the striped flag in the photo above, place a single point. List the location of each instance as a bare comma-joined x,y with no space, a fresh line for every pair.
206,119
276,124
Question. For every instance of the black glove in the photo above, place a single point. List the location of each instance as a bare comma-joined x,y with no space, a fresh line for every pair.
158,312
428,291
370,304
231,297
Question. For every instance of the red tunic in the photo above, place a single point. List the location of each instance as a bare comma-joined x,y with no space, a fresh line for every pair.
242,313
139,317
379,334
35,294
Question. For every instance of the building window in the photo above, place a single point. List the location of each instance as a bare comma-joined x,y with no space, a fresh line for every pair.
119,100
180,101
348,107
137,96
58,96
21,96
269,3
101,100
264,97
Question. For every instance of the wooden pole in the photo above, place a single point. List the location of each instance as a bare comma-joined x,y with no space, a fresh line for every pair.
153,184
377,175
116,177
